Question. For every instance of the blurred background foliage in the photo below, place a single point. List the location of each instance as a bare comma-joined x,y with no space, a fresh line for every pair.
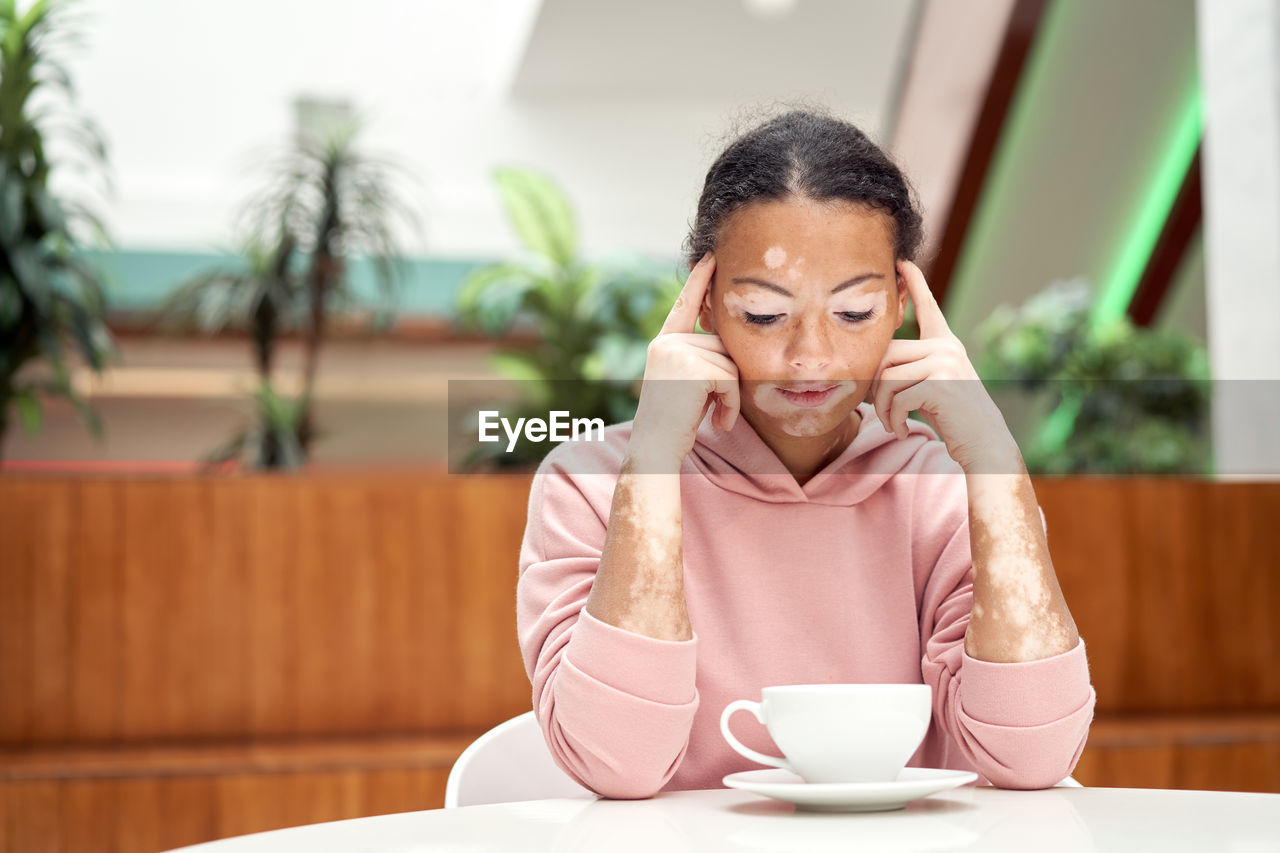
591,322
323,202
1140,396
49,293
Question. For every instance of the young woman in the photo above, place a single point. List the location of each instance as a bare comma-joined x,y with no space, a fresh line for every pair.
771,516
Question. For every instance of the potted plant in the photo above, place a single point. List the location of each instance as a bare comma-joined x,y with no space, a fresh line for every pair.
591,323
48,292
1112,398
324,203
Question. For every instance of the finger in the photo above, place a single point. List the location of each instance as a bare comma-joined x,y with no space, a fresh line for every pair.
900,351
904,403
928,314
683,316
712,343
892,381
722,362
728,402
721,394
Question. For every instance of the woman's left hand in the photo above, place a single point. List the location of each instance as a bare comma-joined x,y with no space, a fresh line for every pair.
933,374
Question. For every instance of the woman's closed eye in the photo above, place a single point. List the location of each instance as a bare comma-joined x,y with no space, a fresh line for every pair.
768,319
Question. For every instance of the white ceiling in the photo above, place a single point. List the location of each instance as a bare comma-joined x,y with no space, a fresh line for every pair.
625,103
844,51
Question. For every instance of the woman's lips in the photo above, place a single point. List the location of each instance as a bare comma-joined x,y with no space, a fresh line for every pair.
808,399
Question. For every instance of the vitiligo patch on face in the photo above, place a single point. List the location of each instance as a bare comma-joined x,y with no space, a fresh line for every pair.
774,257
737,304
796,422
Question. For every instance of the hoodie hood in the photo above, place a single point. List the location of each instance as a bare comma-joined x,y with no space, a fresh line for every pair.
739,461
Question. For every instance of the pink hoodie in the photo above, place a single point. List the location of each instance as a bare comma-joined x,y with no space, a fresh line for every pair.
861,575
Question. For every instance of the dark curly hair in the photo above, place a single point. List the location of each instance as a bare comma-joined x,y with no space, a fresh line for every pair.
804,153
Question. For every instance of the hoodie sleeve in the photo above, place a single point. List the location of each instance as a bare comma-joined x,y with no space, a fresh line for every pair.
616,707
1021,725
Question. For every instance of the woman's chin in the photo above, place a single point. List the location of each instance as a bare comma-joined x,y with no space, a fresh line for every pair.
806,426
805,423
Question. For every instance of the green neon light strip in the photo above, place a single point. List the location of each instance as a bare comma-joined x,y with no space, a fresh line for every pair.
1057,428
1135,255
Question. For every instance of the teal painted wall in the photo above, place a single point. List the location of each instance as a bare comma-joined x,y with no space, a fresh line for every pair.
140,279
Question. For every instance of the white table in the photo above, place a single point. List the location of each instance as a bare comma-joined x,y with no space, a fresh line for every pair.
969,818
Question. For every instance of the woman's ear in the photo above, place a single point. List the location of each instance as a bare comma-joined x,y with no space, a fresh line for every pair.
902,297
704,313
704,316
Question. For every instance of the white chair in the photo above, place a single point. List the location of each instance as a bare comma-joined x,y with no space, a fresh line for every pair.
509,763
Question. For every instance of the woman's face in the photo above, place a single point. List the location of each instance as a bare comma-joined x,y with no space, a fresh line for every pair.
805,297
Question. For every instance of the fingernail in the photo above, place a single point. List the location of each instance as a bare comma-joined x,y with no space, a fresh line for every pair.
705,258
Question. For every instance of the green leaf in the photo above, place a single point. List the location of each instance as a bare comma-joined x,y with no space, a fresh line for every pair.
83,332
34,15
276,411
50,211
12,220
490,297
86,412
616,357
29,410
32,277
540,213
232,448
10,303
520,365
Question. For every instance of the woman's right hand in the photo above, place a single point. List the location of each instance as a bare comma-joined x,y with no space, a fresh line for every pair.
685,372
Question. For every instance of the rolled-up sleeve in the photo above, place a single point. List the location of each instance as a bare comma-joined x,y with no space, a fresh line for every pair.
1025,723
616,707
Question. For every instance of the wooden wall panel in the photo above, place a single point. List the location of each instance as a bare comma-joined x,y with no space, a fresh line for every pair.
172,609
1174,585
1236,753
97,655
146,798
144,815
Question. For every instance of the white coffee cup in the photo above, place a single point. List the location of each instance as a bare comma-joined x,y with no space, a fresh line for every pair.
833,733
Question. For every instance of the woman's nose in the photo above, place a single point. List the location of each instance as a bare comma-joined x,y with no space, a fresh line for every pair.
809,350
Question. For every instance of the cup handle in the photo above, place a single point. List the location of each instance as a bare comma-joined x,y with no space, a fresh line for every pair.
754,708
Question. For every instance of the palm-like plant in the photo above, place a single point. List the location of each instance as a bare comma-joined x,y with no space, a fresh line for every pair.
256,295
48,292
323,203
332,202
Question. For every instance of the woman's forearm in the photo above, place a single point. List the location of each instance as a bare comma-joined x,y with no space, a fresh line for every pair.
1019,613
639,584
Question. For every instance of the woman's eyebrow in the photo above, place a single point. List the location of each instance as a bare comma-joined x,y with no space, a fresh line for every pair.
768,285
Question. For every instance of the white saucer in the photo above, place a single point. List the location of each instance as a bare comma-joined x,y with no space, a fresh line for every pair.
911,784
